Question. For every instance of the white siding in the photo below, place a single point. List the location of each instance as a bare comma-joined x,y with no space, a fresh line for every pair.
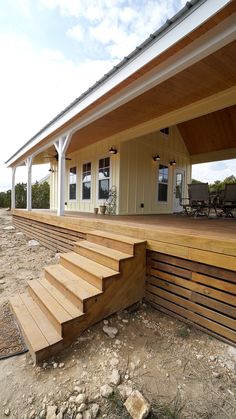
138,171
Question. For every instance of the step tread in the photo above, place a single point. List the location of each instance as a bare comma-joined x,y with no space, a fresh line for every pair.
106,251
62,299
115,236
57,310
30,328
73,282
46,327
96,269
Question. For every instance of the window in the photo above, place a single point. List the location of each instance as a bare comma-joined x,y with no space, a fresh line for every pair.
165,131
86,181
72,183
162,183
103,178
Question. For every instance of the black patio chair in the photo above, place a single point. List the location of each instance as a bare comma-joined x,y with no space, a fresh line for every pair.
227,201
199,202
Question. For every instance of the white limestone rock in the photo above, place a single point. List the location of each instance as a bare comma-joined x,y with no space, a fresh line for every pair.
137,406
110,331
115,377
106,391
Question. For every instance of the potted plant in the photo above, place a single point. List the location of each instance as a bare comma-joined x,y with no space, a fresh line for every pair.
102,208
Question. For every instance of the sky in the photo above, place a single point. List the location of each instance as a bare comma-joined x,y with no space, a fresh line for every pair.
53,50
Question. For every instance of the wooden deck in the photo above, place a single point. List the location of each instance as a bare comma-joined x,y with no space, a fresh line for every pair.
191,263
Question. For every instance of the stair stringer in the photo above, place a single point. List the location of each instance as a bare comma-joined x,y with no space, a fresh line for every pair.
119,293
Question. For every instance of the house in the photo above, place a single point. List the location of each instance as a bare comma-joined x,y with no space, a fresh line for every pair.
137,131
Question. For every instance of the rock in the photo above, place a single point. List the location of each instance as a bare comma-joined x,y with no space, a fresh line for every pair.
9,228
216,374
106,391
231,351
212,358
82,408
79,416
55,364
110,331
60,415
33,243
105,322
125,390
87,414
61,365
42,414
78,389
114,362
45,364
94,409
51,412
2,282
7,412
137,405
115,377
32,414
81,398
230,365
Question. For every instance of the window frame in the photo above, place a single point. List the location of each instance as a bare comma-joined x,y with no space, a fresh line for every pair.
100,200
76,183
163,183
82,182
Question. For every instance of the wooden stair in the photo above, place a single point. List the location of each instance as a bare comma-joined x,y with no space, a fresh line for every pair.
104,274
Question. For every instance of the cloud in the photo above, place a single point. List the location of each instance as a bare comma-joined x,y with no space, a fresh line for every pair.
76,33
210,172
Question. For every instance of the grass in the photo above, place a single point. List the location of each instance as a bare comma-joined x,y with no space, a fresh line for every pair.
116,408
183,332
167,411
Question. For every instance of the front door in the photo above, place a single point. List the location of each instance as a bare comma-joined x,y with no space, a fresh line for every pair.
178,189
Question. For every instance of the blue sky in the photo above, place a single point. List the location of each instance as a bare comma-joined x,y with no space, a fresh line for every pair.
53,50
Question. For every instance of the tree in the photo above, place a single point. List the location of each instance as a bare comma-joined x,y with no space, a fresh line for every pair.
41,195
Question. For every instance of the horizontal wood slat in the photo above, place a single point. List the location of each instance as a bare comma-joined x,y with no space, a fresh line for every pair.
207,257
55,238
199,293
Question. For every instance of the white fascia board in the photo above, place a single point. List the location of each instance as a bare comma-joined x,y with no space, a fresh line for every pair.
179,30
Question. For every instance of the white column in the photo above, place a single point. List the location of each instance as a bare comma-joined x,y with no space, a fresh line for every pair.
29,183
61,146
13,194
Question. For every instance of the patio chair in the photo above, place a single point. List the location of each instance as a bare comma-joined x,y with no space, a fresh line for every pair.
199,202
227,203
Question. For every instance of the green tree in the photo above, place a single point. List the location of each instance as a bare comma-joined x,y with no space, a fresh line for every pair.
21,193
41,195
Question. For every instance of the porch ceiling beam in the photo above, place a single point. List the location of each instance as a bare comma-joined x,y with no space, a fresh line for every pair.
202,107
198,49
225,154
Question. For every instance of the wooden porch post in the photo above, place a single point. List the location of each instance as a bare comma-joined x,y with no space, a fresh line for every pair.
29,183
61,146
13,194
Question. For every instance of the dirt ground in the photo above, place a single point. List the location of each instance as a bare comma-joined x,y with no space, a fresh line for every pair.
181,371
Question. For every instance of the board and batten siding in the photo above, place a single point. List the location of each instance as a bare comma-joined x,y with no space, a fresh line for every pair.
139,173
91,154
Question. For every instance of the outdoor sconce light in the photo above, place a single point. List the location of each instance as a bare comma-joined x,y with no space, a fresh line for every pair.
156,157
172,163
51,170
113,149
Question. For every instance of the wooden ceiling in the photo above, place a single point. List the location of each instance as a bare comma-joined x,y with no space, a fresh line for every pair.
212,132
213,74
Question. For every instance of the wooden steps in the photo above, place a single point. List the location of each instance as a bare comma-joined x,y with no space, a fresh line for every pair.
106,273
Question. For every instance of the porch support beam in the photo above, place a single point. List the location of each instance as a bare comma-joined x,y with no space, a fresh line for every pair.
61,147
13,193
28,162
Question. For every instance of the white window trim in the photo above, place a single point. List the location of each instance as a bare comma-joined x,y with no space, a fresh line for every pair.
101,200
157,178
76,183
91,189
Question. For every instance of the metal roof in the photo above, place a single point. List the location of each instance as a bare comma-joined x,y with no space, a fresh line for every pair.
159,33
